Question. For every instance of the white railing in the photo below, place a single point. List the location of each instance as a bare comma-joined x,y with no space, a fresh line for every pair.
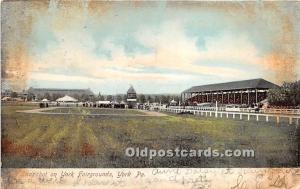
261,110
198,108
281,111
241,115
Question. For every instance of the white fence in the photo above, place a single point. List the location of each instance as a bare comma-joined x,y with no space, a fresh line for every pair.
267,110
281,111
238,115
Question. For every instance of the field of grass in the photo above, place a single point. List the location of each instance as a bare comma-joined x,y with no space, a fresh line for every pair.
37,140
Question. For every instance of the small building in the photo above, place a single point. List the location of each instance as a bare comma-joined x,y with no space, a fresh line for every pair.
131,97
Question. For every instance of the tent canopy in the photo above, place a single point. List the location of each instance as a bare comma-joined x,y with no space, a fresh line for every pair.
173,101
103,102
45,100
66,98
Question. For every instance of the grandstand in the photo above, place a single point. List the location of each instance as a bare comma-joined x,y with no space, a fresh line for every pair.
236,92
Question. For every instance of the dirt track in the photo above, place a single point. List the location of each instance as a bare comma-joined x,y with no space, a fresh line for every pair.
44,111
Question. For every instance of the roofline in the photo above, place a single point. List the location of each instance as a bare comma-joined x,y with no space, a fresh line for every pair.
227,83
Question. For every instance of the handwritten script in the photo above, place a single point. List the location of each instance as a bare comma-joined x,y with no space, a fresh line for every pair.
193,178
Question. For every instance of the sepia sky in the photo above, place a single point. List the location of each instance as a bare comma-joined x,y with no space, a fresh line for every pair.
158,47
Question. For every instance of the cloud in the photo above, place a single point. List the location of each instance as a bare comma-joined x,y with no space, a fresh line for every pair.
90,40
172,50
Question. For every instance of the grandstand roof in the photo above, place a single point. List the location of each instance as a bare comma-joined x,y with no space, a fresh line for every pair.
234,85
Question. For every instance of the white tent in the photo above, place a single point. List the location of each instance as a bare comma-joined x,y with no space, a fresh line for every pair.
173,103
66,98
6,98
45,100
103,102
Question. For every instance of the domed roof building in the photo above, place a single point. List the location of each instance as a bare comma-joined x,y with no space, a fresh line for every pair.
131,97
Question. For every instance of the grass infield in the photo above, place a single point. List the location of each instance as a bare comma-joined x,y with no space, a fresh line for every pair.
38,140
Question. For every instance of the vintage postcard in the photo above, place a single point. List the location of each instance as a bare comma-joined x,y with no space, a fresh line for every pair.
150,94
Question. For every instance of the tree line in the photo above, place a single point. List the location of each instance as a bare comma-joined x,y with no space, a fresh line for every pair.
288,94
141,98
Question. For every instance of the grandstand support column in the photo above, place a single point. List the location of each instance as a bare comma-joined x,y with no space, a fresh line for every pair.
255,95
233,97
222,98
212,96
181,97
248,97
241,97
228,97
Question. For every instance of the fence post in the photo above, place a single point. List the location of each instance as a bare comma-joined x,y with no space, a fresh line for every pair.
248,117
290,120
221,114
233,115
267,118
277,119
241,116
257,118
227,114
210,114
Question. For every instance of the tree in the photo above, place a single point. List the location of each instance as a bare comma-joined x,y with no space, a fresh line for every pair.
142,98
124,98
176,98
164,99
109,97
85,97
76,96
30,97
156,99
286,95
14,95
149,99
100,97
92,98
47,96
39,96
118,98
55,96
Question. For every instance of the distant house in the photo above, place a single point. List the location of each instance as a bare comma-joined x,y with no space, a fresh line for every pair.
131,97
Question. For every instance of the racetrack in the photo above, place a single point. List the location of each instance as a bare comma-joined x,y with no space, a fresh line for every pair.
116,112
